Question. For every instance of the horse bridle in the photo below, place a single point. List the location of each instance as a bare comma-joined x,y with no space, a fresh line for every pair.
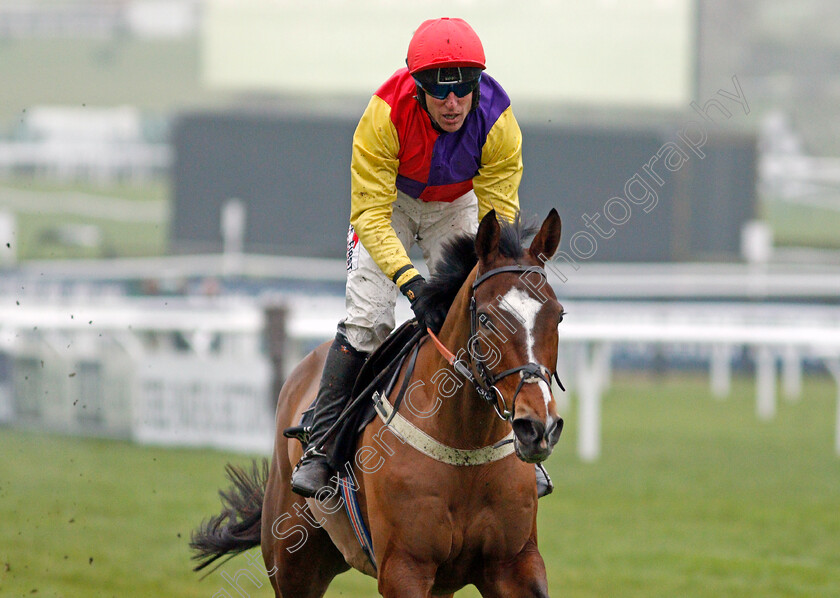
479,374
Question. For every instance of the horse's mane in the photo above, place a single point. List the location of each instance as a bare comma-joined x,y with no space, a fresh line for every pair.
459,258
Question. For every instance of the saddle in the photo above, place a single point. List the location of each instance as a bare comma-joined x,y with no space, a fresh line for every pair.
378,374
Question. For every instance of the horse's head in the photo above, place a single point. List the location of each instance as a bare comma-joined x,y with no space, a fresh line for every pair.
515,315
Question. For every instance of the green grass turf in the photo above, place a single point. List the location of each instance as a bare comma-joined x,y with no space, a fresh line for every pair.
802,225
692,497
153,190
119,239
35,237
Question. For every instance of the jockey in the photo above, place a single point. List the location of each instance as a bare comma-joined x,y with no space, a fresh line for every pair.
436,149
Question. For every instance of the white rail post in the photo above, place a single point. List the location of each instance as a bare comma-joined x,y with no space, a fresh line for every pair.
8,238
765,383
233,218
833,366
720,367
591,376
792,373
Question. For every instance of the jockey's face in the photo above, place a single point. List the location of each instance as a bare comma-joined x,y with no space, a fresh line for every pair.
450,112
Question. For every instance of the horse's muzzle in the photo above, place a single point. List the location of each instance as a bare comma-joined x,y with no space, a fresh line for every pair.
533,440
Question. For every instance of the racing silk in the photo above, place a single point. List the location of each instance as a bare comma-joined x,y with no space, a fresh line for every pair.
395,147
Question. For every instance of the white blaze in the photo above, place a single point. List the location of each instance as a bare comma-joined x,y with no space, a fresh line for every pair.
524,309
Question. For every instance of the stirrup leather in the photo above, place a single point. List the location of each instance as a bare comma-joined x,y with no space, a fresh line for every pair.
307,455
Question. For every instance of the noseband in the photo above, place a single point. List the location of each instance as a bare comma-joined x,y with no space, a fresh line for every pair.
478,373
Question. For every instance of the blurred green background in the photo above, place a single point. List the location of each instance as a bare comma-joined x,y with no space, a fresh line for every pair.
161,77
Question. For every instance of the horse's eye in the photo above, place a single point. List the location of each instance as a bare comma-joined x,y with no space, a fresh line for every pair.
484,320
560,316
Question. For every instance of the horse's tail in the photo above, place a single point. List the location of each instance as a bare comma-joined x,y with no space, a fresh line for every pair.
237,527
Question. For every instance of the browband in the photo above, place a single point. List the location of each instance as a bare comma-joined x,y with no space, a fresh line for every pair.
515,268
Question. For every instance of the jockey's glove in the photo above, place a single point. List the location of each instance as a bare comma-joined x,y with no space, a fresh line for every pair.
428,315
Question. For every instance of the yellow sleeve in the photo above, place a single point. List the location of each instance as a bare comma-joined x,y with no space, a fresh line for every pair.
373,189
497,182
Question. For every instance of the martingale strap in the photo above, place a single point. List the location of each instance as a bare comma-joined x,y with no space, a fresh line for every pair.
419,440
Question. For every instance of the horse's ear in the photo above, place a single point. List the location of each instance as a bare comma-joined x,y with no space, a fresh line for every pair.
487,237
548,239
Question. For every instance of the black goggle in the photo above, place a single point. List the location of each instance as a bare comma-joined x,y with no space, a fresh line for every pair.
441,89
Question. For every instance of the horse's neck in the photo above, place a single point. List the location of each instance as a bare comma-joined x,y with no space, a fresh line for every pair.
461,419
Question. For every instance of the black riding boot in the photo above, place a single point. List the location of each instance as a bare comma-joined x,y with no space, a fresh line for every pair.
340,370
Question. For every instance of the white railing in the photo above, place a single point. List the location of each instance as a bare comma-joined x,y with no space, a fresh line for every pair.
164,371
582,280
777,334
204,401
180,371
780,334
96,160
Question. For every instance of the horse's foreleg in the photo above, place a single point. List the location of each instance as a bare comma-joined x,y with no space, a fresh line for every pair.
523,577
306,568
300,559
401,576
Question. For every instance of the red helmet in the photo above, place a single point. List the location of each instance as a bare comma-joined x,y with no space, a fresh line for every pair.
444,43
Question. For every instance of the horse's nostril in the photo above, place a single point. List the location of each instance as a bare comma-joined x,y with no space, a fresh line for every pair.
528,431
554,431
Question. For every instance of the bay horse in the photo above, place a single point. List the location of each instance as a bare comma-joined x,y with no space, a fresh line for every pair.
482,392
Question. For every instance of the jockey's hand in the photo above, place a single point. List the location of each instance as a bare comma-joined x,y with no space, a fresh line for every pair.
428,315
